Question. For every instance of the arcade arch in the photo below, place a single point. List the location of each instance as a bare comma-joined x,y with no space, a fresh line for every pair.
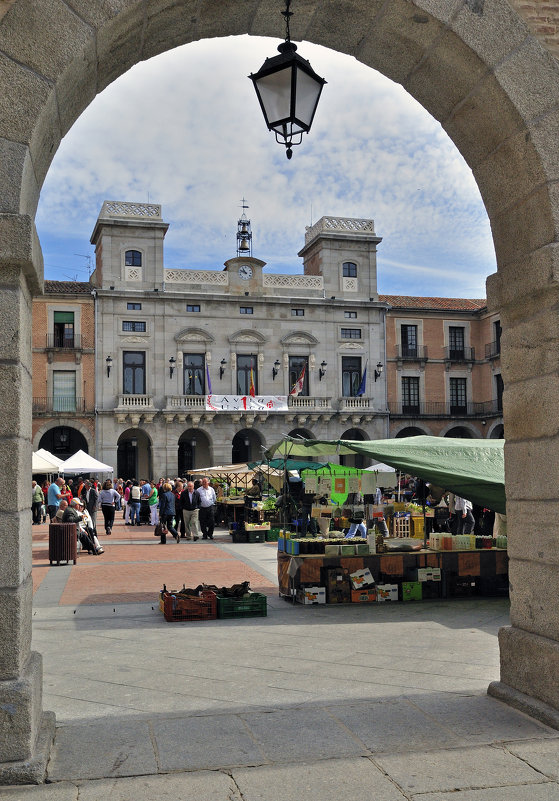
133,455
63,438
409,431
495,90
247,446
194,451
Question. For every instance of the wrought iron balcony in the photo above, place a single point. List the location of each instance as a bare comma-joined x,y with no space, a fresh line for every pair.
68,342
59,405
465,354
438,409
417,353
492,350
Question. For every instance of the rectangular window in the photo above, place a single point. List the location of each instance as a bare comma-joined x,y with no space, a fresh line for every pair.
351,333
194,374
134,372
458,404
351,376
63,329
138,326
410,395
246,310
456,342
408,335
64,391
497,335
296,364
349,269
350,315
134,307
297,312
499,391
247,374
192,307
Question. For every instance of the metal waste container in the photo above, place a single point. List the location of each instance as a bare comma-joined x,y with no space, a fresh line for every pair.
63,543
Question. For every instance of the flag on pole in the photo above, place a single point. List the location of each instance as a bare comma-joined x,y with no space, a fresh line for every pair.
298,385
363,385
251,390
208,381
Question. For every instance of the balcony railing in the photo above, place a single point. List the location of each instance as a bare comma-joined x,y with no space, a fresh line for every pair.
309,403
135,401
492,350
186,402
351,404
490,408
460,354
71,342
67,404
411,353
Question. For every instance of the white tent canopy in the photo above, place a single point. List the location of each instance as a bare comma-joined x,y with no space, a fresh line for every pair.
42,461
82,462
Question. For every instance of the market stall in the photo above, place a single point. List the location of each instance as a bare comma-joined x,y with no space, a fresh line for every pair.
463,565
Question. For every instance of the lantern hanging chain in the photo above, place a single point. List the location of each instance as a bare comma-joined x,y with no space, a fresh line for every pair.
287,14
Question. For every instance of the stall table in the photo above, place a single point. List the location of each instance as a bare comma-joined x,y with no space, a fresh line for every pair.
481,572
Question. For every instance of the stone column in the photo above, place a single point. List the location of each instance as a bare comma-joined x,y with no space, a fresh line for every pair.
528,296
25,731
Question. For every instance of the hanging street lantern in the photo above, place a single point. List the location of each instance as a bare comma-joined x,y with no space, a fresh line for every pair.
288,91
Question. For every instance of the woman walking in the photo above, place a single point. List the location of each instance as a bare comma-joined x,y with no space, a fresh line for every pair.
167,512
108,498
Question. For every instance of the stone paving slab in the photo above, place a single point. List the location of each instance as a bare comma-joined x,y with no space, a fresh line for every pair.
101,750
197,743
458,769
334,780
533,792
541,756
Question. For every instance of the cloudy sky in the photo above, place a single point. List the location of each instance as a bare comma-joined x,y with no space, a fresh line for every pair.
185,130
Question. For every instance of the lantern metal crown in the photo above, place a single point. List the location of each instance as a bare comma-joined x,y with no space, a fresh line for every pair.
288,90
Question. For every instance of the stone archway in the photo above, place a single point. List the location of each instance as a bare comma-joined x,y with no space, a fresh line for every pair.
477,69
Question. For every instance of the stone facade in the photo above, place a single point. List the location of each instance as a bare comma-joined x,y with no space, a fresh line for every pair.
443,367
213,324
63,342
491,80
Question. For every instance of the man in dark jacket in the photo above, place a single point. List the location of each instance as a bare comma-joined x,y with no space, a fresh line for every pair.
89,498
190,505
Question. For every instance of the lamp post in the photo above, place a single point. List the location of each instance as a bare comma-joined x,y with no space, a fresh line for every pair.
109,363
172,362
322,370
288,90
378,371
275,369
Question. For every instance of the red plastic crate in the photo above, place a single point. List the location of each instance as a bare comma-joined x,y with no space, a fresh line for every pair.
185,608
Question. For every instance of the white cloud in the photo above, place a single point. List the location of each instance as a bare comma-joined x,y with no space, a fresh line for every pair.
186,130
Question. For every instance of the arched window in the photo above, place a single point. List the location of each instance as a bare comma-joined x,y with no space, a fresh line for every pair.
349,269
133,258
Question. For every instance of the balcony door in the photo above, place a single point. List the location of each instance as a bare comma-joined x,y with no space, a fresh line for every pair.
64,391
410,395
134,372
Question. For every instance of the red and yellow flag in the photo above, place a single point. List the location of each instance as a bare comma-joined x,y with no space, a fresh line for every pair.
251,391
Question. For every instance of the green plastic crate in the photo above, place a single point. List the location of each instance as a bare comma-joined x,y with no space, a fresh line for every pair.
255,605
272,535
256,536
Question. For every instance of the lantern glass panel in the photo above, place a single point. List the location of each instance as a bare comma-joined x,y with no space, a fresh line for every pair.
275,95
308,92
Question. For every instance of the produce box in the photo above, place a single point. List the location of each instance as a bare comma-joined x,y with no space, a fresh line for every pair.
281,544
411,591
331,550
253,604
336,580
184,608
347,550
387,592
311,595
417,527
258,526
428,574
272,535
363,596
361,579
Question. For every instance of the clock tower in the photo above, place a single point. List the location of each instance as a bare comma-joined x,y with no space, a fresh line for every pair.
245,272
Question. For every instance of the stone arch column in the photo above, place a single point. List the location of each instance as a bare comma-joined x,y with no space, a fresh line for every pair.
477,69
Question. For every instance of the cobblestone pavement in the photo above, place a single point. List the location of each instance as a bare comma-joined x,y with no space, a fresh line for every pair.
377,702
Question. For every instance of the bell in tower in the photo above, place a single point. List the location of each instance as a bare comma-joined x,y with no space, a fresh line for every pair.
244,234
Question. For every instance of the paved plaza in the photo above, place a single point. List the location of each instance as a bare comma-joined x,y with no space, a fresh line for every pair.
362,702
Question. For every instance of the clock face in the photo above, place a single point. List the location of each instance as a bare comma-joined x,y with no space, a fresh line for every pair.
245,271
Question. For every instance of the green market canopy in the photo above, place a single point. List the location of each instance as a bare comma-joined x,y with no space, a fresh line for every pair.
472,468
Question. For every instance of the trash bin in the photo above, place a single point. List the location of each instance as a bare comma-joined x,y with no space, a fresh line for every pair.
63,543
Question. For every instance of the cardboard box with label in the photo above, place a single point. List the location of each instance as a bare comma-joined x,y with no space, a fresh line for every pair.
311,595
387,592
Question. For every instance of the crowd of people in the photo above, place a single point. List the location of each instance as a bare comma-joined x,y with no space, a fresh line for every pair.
185,509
